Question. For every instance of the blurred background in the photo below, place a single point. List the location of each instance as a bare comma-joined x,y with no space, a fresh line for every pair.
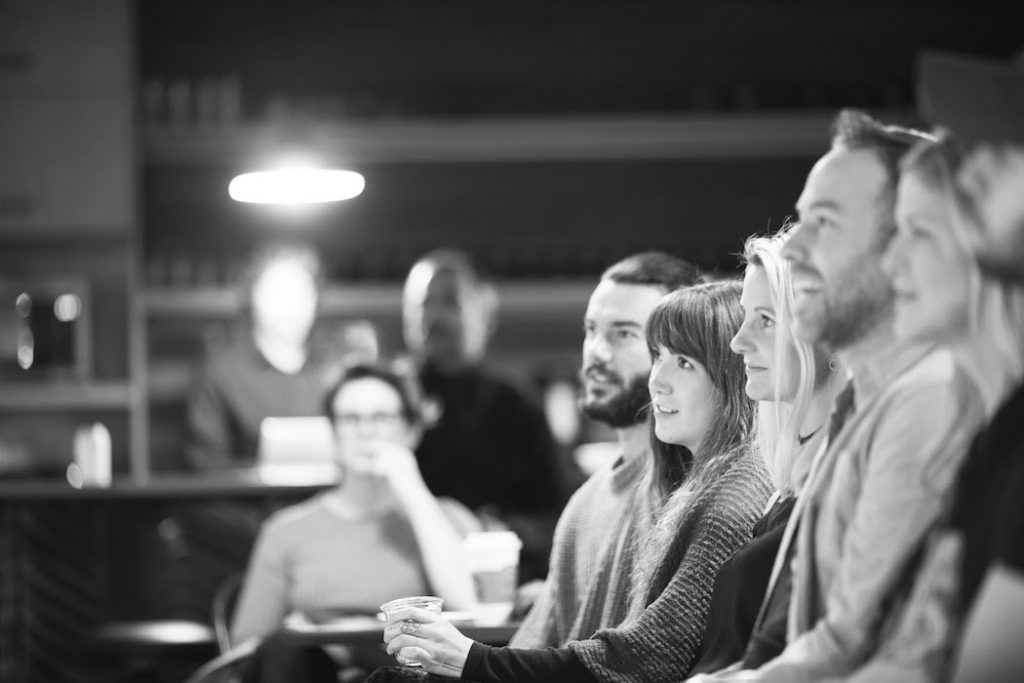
545,139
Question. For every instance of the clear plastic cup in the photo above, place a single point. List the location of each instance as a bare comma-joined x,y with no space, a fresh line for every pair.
425,602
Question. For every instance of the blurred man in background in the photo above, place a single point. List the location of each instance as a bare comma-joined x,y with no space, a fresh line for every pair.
490,446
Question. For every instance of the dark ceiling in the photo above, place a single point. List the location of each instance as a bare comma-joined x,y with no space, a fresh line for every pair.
482,57
462,59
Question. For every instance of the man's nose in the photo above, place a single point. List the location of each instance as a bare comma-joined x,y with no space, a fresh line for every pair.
795,248
598,348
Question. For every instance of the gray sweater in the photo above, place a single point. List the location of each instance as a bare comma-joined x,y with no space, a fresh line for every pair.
662,642
590,577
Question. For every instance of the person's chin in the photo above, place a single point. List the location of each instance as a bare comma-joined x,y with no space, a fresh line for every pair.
756,392
918,329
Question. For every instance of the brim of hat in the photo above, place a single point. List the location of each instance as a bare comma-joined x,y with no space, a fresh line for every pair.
977,99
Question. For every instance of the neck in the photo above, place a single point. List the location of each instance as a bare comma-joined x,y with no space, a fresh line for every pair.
285,355
818,408
635,441
358,495
865,351
987,366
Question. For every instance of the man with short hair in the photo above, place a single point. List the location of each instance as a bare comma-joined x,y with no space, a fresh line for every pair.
490,447
589,579
898,433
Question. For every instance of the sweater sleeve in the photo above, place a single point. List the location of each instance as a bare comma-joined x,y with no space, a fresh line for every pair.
662,644
487,664
262,601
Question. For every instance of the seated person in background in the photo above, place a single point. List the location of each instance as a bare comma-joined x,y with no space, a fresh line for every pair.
710,486
269,371
588,583
490,448
379,534
794,382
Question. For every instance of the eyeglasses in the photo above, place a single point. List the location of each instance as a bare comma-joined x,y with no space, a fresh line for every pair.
379,420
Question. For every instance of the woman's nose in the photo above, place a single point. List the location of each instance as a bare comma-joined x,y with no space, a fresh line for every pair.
656,383
740,343
892,259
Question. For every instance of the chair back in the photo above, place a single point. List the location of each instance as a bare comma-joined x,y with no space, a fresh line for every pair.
223,607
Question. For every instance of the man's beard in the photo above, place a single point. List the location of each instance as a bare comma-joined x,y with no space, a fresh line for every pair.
626,408
858,303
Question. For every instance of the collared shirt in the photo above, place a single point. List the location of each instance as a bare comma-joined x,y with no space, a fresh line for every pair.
874,494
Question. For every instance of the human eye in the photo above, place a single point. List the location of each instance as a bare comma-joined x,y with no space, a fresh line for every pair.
685,363
655,354
350,420
624,333
822,221
767,321
588,329
920,232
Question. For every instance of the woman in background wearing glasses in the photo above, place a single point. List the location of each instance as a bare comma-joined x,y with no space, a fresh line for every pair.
378,534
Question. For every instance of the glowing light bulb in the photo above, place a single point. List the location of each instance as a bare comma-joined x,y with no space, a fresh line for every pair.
296,186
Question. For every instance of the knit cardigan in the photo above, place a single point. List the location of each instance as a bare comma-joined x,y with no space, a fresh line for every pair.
663,641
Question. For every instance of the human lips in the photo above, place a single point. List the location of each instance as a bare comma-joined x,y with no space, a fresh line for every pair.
598,376
661,409
903,292
806,281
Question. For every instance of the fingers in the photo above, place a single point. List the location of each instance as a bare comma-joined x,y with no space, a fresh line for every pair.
413,614
411,628
403,640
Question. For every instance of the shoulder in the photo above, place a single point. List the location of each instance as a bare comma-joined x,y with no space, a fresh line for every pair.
937,371
590,492
742,487
294,520
934,392
228,360
505,384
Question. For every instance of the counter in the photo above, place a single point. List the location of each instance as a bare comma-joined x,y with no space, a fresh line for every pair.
72,559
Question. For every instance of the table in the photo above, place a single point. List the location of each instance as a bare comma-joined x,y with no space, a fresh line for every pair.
357,632
370,630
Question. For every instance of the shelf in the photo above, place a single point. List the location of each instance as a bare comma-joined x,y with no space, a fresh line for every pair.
355,299
65,395
504,139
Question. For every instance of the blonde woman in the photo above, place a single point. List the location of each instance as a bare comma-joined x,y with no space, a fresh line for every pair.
794,383
943,296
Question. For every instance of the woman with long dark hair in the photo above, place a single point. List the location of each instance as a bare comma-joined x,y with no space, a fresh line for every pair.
711,484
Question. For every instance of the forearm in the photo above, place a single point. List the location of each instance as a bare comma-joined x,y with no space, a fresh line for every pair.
487,664
261,608
440,548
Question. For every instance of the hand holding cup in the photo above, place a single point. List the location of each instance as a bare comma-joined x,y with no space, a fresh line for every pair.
423,638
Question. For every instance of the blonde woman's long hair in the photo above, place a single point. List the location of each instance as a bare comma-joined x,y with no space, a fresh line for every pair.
778,422
996,308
